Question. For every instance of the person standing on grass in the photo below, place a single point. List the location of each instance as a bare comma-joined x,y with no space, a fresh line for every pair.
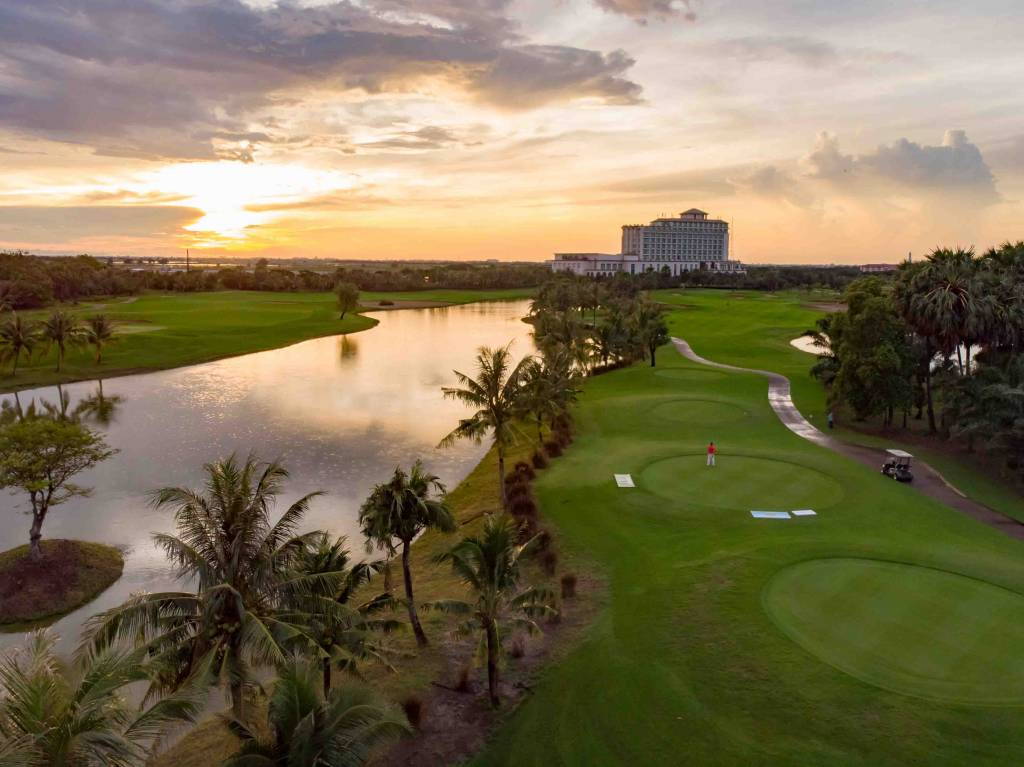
711,453
831,420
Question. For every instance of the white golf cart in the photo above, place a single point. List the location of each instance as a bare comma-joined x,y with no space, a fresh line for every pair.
897,465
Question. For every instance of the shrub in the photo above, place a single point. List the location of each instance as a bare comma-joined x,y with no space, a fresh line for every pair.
552,448
549,561
523,507
543,541
386,302
539,460
527,528
568,586
464,683
517,648
413,708
525,469
518,490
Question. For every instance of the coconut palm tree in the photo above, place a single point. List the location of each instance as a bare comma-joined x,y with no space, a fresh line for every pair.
61,330
99,331
17,337
345,633
241,563
536,400
489,565
494,393
650,326
53,716
307,728
400,509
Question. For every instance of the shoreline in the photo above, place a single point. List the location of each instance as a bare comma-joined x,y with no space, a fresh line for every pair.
369,306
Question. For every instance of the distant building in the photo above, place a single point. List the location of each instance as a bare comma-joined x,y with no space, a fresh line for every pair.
684,244
872,268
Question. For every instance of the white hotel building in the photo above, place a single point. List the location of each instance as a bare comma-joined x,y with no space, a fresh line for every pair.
684,244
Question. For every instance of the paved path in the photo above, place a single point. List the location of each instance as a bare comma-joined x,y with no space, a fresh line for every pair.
926,479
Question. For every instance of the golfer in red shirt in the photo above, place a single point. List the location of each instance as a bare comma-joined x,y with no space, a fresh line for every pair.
711,453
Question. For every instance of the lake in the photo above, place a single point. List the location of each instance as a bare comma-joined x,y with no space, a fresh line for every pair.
340,412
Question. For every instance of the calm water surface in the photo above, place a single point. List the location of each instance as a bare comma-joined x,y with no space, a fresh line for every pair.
340,412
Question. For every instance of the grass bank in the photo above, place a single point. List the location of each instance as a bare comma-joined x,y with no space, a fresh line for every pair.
166,330
70,574
734,640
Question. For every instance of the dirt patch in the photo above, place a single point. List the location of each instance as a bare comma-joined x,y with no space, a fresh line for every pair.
456,725
69,574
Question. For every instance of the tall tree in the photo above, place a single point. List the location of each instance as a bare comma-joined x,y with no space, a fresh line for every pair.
490,566
345,633
348,297
242,566
98,332
57,716
17,337
495,395
400,509
308,728
61,330
652,331
40,456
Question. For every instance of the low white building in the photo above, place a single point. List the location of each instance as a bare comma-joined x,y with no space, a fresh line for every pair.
684,244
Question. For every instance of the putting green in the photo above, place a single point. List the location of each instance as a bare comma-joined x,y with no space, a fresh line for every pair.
914,630
741,482
698,411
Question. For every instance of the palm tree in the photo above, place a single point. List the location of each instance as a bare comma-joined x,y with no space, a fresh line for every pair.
494,393
400,509
17,337
241,563
651,329
99,331
308,728
489,565
61,329
535,399
344,633
52,715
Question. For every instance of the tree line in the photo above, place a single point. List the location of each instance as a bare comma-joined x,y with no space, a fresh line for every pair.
941,343
599,324
264,595
31,282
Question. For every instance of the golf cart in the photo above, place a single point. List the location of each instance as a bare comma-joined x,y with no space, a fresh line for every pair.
897,465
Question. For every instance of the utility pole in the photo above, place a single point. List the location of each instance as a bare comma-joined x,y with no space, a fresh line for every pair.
186,261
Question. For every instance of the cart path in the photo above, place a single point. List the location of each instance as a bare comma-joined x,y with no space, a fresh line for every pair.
926,479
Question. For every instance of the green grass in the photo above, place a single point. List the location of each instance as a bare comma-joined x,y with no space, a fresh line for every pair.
911,629
158,330
69,574
686,665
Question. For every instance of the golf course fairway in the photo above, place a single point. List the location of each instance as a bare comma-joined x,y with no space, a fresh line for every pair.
884,630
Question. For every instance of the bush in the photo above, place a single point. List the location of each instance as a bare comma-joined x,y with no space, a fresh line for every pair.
523,507
517,649
543,541
527,528
552,448
464,683
549,561
539,460
524,469
413,708
517,491
386,302
568,586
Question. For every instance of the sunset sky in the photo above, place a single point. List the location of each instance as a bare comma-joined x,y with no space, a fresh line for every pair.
824,130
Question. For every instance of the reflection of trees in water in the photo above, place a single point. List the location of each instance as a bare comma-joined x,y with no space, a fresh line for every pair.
98,408
348,348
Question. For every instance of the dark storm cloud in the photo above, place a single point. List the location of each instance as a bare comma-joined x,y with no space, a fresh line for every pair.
203,78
